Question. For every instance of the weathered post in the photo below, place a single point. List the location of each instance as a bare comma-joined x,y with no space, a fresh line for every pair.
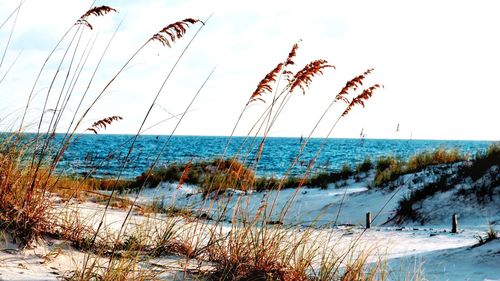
368,220
454,224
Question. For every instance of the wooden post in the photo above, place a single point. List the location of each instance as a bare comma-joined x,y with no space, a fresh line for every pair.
368,220
454,224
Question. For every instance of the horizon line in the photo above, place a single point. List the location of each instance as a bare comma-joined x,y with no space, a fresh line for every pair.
242,136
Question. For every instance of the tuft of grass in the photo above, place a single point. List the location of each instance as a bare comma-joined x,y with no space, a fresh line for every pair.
366,166
119,269
388,168
24,222
322,179
439,156
405,209
103,123
346,171
260,252
69,187
70,227
490,235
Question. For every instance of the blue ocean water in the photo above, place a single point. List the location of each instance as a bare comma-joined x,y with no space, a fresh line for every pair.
104,155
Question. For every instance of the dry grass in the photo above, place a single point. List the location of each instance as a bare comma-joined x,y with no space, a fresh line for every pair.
361,98
170,33
258,252
439,156
96,11
23,221
490,235
88,188
27,221
265,84
264,252
120,269
303,78
103,123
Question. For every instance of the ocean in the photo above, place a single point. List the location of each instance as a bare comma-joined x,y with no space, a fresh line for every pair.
104,155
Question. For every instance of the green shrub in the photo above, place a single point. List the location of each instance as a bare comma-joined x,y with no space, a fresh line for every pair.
385,162
346,171
366,166
323,179
482,162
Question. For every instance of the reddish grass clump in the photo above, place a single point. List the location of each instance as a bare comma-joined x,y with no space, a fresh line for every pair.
303,77
173,31
185,174
361,98
265,84
352,84
291,55
103,123
253,252
281,68
96,11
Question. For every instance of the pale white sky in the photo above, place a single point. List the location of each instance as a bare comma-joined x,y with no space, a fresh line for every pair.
438,60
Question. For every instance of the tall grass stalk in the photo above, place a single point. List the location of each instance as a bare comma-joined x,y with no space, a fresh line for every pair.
42,68
153,38
12,13
11,66
155,162
18,9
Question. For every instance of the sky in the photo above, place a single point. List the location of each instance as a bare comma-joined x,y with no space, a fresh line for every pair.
438,62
